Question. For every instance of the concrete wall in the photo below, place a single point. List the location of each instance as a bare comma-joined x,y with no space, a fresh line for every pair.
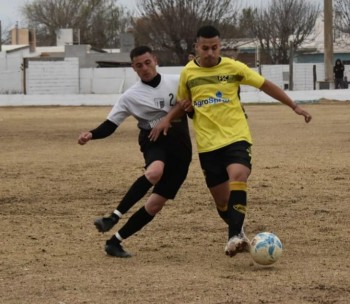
88,59
11,82
113,80
111,99
53,77
11,72
106,80
117,80
66,77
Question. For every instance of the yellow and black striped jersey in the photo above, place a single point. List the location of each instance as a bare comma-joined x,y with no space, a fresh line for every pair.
219,119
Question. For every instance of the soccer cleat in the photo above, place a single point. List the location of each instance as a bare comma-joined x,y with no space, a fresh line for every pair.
104,224
115,249
237,244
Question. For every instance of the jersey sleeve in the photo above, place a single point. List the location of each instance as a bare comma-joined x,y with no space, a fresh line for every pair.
104,130
183,92
119,111
250,77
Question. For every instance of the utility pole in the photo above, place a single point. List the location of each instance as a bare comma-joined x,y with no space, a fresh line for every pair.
291,58
0,37
328,40
17,33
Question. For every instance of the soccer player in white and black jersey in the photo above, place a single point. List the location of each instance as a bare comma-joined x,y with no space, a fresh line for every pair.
166,160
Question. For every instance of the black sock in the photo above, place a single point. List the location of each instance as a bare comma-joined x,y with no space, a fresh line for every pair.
137,191
114,217
114,240
237,207
224,215
135,223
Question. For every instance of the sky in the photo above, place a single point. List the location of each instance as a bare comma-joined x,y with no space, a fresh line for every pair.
10,9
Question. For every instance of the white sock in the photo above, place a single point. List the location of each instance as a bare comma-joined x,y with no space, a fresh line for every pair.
118,213
117,235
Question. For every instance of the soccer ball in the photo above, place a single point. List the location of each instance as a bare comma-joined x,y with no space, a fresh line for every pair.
265,248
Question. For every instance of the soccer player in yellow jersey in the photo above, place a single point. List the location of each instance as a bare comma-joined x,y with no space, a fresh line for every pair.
208,90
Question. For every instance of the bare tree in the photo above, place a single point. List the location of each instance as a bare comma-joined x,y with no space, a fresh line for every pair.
172,24
98,21
245,19
281,22
342,15
4,34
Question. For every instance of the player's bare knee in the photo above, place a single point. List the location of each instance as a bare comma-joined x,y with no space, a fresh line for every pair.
154,208
154,176
154,172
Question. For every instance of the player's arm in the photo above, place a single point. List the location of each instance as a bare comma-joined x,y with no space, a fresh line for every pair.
165,123
276,92
187,107
104,130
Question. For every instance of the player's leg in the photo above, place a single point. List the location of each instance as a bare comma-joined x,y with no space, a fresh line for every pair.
216,179
137,191
221,194
239,157
237,203
231,201
135,223
175,172
154,156
226,179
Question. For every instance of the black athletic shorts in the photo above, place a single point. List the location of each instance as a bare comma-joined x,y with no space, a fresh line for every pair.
176,153
214,163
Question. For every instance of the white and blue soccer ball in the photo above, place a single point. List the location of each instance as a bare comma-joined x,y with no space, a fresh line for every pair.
266,248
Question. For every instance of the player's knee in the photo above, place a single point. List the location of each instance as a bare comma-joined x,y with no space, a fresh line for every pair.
154,172
154,207
241,176
154,176
238,173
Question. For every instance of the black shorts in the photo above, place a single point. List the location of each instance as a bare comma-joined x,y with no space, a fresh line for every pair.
176,154
214,163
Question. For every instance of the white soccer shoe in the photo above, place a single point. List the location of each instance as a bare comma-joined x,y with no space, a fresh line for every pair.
237,244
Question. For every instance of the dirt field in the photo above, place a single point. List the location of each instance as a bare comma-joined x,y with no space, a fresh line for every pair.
52,189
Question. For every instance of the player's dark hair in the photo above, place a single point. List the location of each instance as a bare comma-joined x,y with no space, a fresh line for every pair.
208,31
140,50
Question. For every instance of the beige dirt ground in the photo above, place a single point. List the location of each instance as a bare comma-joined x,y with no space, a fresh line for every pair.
52,189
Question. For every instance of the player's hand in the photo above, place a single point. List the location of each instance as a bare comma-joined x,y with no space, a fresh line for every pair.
186,105
306,115
162,126
84,138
